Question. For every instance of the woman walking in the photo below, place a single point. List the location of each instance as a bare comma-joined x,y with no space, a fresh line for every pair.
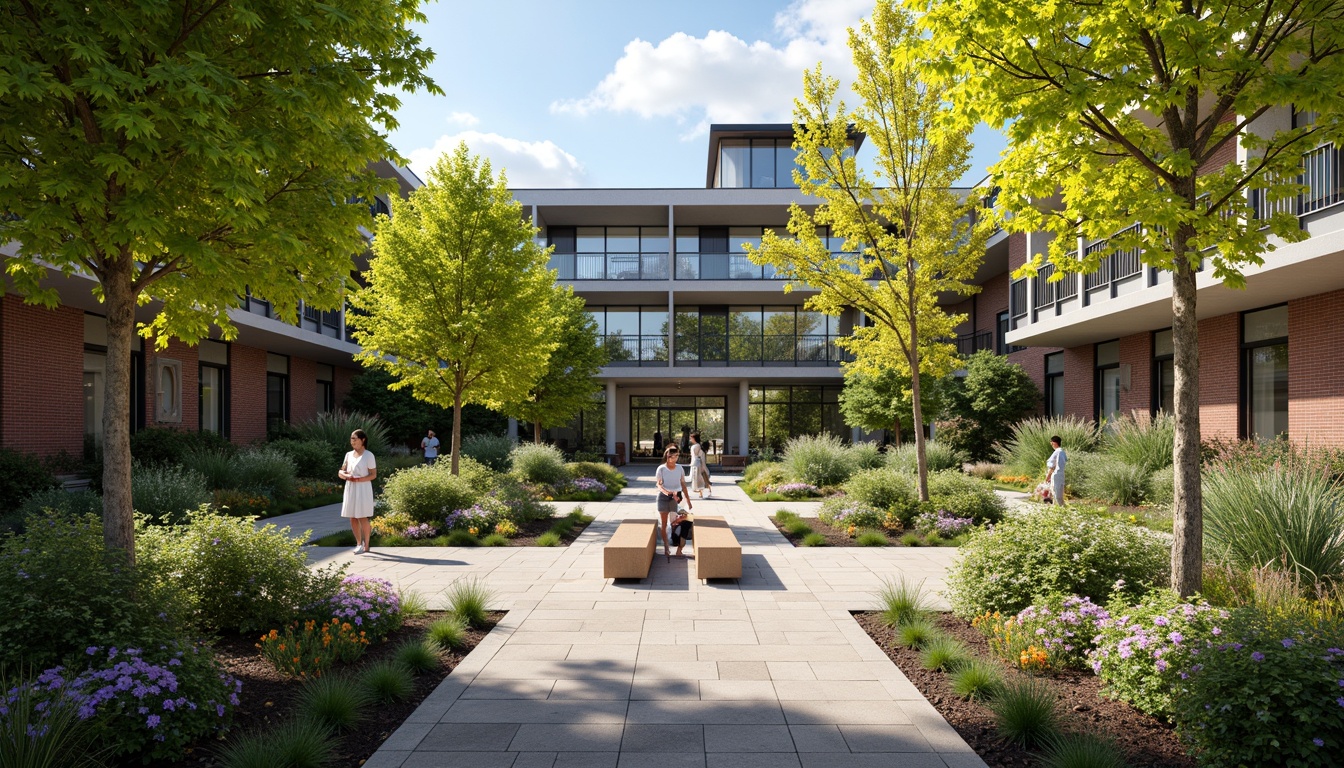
671,489
358,471
699,468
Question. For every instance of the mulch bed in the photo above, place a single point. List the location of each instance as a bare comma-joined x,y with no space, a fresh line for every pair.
1146,741
267,696
835,537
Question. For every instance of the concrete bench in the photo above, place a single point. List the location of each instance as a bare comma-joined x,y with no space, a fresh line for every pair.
629,554
717,553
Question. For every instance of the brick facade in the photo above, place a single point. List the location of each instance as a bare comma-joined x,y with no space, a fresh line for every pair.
302,389
1079,381
42,368
190,386
1315,358
1219,342
247,394
1137,352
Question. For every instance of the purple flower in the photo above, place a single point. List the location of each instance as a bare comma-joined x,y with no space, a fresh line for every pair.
1176,637
1257,656
1160,621
1318,742
153,721
1287,643
1340,701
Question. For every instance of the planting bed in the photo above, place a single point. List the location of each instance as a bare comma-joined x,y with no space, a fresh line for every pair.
528,534
1146,741
836,537
267,696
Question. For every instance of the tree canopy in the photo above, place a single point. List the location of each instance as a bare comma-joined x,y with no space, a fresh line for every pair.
909,237
983,405
880,399
459,303
1160,115
181,153
569,382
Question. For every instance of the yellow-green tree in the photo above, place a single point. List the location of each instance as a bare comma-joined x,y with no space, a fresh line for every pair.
909,236
181,152
1122,113
458,304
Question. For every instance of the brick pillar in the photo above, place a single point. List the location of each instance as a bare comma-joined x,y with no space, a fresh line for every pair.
42,369
1315,357
1219,379
247,394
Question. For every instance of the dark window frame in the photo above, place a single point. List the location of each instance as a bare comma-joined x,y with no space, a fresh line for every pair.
1156,389
1245,350
286,396
224,409
1055,379
1097,369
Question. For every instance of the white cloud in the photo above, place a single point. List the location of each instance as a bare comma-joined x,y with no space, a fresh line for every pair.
721,78
464,119
536,164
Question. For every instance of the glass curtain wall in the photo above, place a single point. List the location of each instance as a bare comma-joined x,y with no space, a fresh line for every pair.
633,335
710,335
776,414
608,253
757,163
656,422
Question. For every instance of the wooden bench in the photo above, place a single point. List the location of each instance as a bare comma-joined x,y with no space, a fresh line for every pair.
733,462
717,553
629,554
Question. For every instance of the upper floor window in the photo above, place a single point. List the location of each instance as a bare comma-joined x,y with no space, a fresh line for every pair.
757,163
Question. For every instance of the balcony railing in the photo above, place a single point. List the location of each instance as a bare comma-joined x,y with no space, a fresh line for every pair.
1322,175
610,266
1048,293
1118,266
721,266
636,350
970,343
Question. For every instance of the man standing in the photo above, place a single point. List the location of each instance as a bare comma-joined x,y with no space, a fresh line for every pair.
1054,470
430,445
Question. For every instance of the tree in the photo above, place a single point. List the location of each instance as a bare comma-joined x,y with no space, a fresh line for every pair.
986,402
458,304
1124,112
880,399
181,153
569,383
406,417
908,241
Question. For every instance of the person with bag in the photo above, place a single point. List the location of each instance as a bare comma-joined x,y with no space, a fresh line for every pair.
699,468
671,491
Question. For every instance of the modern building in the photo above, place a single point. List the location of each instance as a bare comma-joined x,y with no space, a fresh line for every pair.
52,363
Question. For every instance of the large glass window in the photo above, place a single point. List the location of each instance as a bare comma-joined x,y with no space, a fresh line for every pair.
608,253
758,163
1164,373
633,335
656,422
277,390
95,378
734,163
1054,384
326,388
1108,381
1001,328
776,414
1264,372
214,361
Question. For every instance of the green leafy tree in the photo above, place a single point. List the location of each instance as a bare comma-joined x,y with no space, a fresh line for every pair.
179,152
407,418
458,304
879,398
1122,113
992,396
908,235
569,383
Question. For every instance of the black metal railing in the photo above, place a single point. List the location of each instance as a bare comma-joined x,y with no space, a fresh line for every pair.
610,266
1120,265
1323,176
721,266
970,343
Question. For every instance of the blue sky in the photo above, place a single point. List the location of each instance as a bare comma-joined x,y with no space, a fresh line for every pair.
597,93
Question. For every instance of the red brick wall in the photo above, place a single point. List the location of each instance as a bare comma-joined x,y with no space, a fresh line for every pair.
1079,381
247,394
1219,340
191,385
1315,357
1137,352
1017,251
964,307
42,368
302,389
992,299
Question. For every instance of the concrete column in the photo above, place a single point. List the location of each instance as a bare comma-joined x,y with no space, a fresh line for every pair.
743,418
671,331
611,420
855,435
513,430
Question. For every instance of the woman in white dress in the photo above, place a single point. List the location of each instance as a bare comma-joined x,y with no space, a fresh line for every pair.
699,468
358,471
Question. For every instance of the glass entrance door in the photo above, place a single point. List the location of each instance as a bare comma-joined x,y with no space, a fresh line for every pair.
656,422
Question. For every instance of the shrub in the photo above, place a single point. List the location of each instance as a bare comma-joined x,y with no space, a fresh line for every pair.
166,493
1143,650
912,540
387,682
506,529
818,460
299,743
885,490
1162,486
605,473
901,601
1113,481
1287,516
63,502
370,604
943,524
146,704
866,456
391,523
1053,551
265,470
977,680
308,649
65,592
236,576
795,490
1056,634
469,600
914,633
39,732
985,470
22,475
754,469
797,527
539,463
310,458
241,503
1081,750
872,539
334,701
548,539
772,475
159,446
519,504
1140,440
842,512
418,656
937,456
491,450
462,539
992,395
333,431
944,653
813,540
215,466
428,494
448,634
495,540
1025,712
1027,449
1267,692
965,496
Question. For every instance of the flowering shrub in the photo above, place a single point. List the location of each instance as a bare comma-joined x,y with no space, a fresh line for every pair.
1053,551
886,490
843,512
150,705
241,503
589,485
391,524
1143,652
965,496
427,493
1015,479
420,531
943,523
794,490
1269,691
768,475
1056,635
313,489
477,517
506,528
369,603
308,649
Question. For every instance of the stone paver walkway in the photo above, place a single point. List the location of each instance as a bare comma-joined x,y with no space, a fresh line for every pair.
585,672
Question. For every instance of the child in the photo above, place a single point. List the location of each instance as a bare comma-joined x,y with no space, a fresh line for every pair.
682,528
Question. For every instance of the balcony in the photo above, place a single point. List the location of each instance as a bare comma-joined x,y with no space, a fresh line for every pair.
970,343
636,350
721,266
1322,177
610,266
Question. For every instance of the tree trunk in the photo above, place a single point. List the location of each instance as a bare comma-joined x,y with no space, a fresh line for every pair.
1187,552
118,520
921,458
457,430
536,432
896,430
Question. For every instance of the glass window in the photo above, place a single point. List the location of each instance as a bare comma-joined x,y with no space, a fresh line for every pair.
277,400
688,240
1163,344
763,163
1001,328
734,159
1108,380
1164,373
653,239
95,371
653,334
277,363
212,398
590,240
623,240
785,163
1264,369
1054,384
624,321
1265,325
714,335
1108,353
687,321
744,334
780,331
